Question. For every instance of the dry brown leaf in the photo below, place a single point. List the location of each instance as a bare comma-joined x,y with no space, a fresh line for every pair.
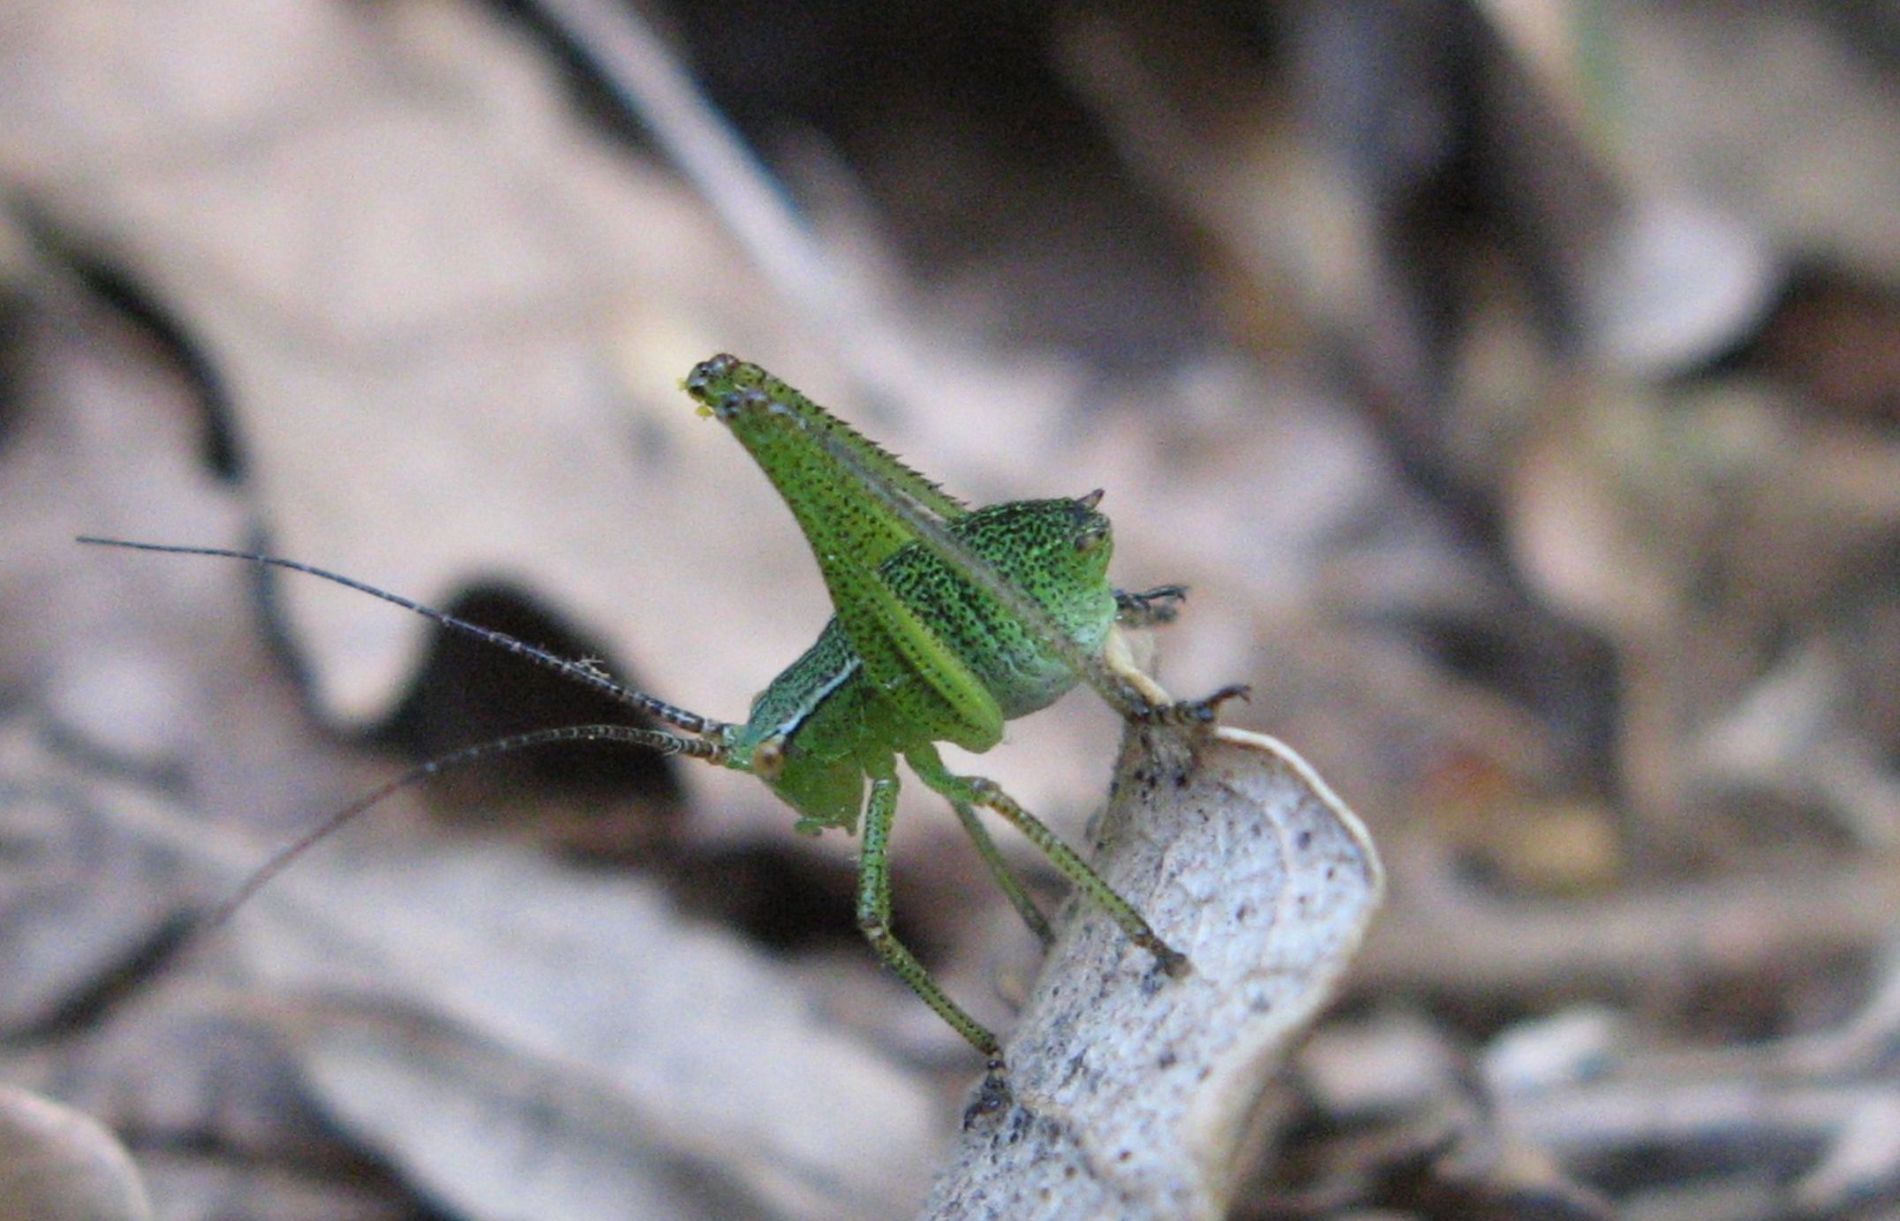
566,1035
57,1164
1131,1092
79,900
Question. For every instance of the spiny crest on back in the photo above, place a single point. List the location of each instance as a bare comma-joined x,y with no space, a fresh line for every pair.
724,386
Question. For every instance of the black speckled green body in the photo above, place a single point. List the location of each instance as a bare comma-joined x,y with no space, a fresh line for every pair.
930,643
829,720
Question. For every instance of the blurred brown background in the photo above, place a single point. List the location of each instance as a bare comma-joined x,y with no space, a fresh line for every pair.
1515,384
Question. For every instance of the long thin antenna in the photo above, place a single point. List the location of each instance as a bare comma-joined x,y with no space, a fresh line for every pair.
586,675
665,743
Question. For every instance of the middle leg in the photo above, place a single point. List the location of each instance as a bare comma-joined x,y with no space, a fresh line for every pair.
978,791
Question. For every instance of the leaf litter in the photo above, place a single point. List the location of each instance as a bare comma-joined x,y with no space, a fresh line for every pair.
1600,648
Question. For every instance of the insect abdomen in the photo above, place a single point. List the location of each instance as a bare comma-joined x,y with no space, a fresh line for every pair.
1055,550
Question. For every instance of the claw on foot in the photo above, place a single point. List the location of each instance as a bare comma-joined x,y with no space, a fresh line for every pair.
1174,962
992,1097
1196,712
1232,691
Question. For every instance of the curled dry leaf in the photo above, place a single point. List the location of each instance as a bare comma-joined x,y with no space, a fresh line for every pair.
57,1164
1131,1092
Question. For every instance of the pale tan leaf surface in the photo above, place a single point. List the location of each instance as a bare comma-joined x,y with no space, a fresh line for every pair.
415,291
1131,1093
514,1035
57,1164
618,1049
61,937
476,1145
524,1058
187,1063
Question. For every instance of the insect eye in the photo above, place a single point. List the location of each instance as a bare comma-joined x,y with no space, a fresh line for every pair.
768,760
1090,539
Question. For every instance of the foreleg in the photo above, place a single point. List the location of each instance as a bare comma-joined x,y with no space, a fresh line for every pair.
874,921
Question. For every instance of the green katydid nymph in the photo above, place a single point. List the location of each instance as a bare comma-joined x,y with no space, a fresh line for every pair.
950,621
